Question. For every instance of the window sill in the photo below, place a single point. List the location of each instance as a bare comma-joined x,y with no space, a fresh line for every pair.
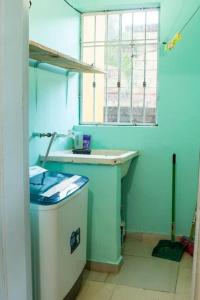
117,125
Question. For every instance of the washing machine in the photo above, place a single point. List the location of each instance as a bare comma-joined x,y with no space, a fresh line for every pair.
58,233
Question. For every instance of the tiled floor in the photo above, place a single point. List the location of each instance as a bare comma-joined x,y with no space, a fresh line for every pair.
141,277
149,273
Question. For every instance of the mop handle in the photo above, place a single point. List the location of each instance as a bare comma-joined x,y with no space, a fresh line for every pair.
173,229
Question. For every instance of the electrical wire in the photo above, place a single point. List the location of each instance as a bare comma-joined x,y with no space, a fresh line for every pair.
80,12
190,19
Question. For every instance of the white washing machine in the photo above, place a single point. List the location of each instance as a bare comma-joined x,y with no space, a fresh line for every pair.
58,232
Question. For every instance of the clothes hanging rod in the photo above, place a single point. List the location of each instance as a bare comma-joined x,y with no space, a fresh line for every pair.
190,19
77,10
121,10
187,23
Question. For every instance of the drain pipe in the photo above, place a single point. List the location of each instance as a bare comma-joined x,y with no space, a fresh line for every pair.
52,136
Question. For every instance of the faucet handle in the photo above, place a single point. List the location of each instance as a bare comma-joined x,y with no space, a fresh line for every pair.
48,134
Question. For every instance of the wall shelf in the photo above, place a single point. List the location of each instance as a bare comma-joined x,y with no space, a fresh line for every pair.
44,54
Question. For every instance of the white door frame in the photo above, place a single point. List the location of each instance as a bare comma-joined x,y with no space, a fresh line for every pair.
15,258
196,261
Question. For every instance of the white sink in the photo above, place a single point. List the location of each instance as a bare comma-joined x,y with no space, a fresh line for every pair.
122,158
103,157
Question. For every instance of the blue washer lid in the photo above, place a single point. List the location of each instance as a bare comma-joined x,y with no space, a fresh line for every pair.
42,183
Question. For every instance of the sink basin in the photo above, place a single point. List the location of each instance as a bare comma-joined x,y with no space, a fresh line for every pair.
103,157
122,158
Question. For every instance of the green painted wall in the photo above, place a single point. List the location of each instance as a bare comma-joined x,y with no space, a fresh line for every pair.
53,96
147,189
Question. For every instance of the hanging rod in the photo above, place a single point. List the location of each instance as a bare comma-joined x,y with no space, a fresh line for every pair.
77,10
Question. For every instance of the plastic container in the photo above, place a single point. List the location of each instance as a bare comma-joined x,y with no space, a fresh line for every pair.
86,141
78,140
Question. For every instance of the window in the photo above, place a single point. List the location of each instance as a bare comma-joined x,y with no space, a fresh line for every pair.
125,45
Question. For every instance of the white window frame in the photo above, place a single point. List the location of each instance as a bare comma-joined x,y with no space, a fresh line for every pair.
118,123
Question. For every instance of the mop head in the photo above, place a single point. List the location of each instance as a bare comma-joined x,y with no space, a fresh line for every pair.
188,244
169,250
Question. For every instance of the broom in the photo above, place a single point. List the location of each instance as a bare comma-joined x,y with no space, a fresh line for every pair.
171,250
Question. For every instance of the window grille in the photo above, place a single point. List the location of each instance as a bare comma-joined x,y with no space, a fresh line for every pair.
125,45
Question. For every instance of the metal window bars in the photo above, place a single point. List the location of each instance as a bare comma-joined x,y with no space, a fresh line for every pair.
131,44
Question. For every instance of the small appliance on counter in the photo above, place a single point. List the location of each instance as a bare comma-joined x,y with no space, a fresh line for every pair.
86,145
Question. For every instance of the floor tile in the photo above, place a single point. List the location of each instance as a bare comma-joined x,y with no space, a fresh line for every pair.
130,293
151,295
94,276
153,239
138,248
148,273
186,261
92,290
165,296
137,236
184,281
142,277
182,297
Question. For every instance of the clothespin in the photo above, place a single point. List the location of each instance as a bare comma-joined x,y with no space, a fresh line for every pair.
172,43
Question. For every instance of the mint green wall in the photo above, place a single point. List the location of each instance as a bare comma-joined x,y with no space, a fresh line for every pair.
53,93
148,186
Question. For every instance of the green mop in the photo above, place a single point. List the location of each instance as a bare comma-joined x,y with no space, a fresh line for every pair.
166,249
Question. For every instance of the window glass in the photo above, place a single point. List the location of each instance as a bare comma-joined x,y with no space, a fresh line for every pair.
127,26
125,45
113,27
88,55
88,96
152,25
139,26
100,28
88,29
